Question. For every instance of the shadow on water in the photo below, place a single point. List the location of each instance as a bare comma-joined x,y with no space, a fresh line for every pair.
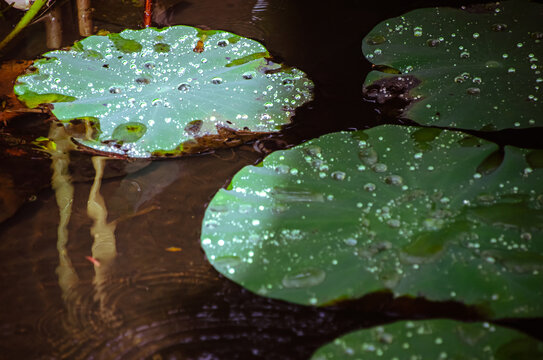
118,272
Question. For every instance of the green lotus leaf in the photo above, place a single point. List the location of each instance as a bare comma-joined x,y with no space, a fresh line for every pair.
153,91
433,339
418,211
471,69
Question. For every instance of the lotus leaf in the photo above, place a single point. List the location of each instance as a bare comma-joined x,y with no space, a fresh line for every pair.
472,69
433,339
151,92
418,211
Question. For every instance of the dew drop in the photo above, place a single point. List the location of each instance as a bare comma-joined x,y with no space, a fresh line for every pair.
248,75
216,80
379,167
376,40
288,81
350,241
368,156
477,80
394,223
492,64
303,279
473,91
222,43
313,151
394,180
511,70
433,42
369,187
417,31
464,54
476,35
183,87
338,175
499,27
142,81
115,90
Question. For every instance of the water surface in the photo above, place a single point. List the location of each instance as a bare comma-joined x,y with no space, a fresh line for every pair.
154,295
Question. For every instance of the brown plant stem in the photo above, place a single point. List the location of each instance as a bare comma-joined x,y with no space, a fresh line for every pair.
84,14
147,14
53,28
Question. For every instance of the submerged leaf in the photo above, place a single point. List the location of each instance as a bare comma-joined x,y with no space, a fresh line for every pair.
348,214
152,94
466,69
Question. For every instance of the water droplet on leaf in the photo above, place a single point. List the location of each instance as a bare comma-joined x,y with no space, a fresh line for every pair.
306,278
183,87
376,40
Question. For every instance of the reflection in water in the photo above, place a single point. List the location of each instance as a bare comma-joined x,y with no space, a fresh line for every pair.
137,189
64,194
260,6
103,248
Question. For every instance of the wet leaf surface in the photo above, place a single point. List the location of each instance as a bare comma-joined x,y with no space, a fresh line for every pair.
472,67
141,92
433,339
393,208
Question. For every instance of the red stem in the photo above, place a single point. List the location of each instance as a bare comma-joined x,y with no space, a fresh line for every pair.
147,13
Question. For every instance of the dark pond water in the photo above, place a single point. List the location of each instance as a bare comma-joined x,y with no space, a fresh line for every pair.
160,298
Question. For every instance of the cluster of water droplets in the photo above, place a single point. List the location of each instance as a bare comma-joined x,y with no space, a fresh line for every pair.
487,55
165,79
361,202
436,339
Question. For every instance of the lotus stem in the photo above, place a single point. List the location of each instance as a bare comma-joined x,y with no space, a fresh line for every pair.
84,15
53,28
25,20
147,14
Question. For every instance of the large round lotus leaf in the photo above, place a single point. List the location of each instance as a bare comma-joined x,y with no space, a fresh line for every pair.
149,92
464,69
433,339
418,211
